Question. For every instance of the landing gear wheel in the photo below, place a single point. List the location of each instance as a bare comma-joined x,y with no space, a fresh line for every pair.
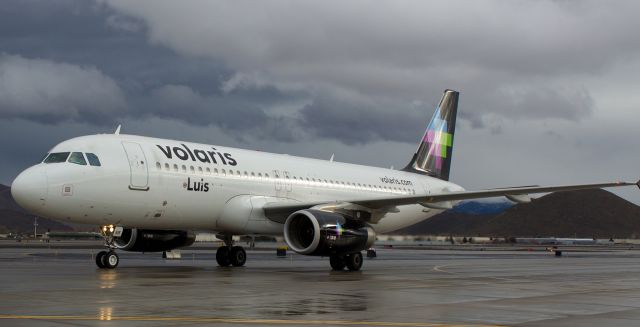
110,260
238,256
223,256
99,258
354,261
337,262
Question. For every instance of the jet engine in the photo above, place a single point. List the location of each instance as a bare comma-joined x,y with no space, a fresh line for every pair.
144,240
320,233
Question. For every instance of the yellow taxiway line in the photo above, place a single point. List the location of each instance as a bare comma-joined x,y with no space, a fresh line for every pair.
234,320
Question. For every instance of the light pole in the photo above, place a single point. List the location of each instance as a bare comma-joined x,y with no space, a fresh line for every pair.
35,228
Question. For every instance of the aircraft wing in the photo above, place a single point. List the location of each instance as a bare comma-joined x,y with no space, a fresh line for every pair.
279,211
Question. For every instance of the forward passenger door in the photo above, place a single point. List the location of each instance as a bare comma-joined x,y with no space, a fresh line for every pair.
139,173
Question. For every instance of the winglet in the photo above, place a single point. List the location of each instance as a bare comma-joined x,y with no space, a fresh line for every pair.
332,156
117,132
638,183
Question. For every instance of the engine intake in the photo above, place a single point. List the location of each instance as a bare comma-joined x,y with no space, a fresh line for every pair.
315,232
143,240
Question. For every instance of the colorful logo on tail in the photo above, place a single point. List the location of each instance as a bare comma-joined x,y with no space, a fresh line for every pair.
438,140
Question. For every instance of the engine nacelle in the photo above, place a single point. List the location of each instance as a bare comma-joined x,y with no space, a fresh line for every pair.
315,232
143,240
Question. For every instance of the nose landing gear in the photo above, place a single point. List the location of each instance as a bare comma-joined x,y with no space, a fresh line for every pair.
108,259
230,255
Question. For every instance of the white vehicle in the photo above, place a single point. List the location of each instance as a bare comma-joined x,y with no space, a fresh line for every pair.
150,194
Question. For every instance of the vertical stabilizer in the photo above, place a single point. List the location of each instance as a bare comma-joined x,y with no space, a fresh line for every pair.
433,156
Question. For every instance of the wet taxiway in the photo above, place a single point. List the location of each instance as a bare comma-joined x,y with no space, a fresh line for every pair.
55,287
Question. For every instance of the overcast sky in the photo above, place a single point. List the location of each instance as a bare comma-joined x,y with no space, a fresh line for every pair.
549,89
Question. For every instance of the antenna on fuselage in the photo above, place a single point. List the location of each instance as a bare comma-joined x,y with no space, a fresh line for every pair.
117,132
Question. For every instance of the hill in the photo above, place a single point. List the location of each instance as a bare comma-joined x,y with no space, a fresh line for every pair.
587,213
14,219
482,207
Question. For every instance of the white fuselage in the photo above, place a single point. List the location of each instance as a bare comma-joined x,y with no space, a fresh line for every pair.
165,184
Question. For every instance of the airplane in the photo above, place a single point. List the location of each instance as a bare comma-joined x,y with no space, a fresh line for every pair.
150,194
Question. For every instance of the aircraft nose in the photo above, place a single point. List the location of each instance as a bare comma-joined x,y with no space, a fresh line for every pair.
29,189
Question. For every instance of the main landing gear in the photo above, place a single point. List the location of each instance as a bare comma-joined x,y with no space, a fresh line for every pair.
229,255
107,259
353,261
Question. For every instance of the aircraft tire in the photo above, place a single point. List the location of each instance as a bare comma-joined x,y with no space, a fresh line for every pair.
99,258
238,256
110,260
337,262
223,256
354,261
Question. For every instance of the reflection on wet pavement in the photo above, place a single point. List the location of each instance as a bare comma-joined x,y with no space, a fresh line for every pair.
413,287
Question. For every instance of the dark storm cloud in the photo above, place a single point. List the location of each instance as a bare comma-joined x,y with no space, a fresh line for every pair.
486,108
362,123
505,56
182,103
81,61
50,92
147,66
547,102
317,77
86,33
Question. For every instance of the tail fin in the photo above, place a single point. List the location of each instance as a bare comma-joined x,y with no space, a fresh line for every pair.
433,156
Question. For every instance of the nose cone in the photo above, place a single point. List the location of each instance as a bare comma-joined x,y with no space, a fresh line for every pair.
29,189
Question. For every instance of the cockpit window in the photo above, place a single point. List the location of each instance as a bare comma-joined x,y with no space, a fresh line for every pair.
93,159
57,157
77,158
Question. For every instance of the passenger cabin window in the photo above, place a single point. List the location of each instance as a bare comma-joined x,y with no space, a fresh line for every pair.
93,159
77,158
57,157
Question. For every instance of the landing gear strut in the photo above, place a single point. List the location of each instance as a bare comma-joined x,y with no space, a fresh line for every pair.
230,255
107,259
353,261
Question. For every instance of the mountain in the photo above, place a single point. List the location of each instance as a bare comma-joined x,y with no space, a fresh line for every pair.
587,213
482,207
14,219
